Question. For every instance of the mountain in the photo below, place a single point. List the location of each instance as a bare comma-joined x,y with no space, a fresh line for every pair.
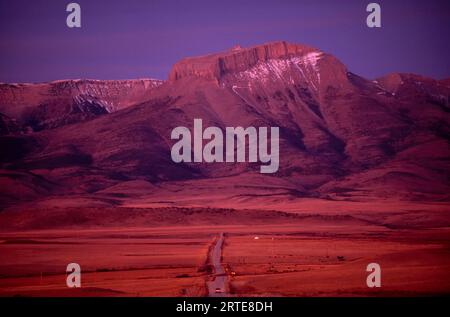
50,105
342,136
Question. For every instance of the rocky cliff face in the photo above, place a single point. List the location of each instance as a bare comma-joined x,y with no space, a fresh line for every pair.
215,66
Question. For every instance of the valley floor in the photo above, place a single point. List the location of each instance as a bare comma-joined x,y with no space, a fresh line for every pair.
291,256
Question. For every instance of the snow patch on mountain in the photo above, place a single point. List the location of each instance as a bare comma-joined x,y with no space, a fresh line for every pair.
282,70
308,66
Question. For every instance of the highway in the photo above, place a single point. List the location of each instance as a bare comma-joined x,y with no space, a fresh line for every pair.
218,286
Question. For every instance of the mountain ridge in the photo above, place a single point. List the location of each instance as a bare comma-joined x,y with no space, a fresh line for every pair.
69,101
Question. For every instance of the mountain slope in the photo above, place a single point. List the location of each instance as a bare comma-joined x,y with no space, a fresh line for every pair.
50,105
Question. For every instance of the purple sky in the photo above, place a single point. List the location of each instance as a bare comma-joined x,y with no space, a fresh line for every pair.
137,38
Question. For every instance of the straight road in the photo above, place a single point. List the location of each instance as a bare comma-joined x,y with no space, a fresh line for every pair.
218,286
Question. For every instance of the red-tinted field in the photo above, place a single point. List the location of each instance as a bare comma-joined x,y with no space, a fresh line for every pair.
295,253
